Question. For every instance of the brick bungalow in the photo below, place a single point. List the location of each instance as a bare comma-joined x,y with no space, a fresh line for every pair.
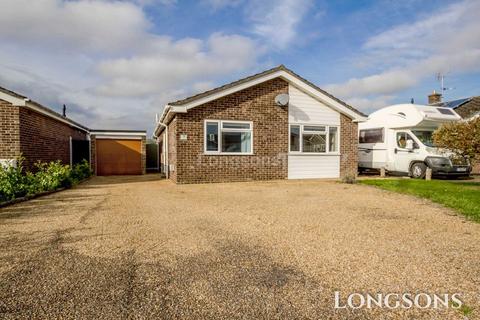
34,131
272,125
38,133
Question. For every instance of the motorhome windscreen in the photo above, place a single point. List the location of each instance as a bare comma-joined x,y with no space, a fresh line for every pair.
425,137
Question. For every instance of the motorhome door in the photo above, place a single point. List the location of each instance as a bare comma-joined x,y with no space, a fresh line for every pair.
402,155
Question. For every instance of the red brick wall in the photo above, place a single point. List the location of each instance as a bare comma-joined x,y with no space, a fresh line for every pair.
93,154
348,146
45,139
270,138
9,131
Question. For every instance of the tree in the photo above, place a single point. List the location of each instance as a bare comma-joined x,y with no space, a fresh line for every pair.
462,138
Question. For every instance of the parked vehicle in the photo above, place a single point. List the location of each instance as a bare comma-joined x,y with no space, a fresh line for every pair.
399,139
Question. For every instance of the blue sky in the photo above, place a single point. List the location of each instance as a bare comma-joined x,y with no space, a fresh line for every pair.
116,63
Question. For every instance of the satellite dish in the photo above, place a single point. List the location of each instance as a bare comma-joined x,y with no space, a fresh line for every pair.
282,100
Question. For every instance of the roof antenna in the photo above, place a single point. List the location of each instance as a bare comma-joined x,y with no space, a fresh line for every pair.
441,78
64,111
412,101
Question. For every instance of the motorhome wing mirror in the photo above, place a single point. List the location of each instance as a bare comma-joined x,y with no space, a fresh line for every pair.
409,145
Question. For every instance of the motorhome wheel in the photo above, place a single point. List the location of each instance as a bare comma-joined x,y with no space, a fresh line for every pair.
417,170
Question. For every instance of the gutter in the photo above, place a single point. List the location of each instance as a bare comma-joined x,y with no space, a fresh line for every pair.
166,112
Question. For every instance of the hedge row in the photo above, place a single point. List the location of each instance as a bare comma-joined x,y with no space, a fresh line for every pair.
16,183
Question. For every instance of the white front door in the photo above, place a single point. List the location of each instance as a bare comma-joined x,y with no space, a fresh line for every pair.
402,156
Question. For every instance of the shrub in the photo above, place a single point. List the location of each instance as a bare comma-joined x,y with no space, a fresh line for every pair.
51,176
81,171
14,183
462,138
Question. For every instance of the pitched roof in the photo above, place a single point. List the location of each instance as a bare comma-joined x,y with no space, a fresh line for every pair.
46,110
452,104
259,75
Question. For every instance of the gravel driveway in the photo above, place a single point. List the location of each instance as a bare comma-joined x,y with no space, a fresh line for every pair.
140,247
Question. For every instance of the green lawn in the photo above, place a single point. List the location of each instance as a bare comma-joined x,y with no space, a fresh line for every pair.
459,195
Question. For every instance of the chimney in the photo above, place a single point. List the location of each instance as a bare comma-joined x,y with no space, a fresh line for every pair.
64,111
434,97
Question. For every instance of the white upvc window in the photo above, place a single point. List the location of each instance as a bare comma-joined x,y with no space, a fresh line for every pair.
314,139
230,137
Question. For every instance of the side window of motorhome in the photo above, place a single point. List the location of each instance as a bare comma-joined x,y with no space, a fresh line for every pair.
371,136
402,138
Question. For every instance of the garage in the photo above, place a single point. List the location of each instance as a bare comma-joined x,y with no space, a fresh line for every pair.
118,152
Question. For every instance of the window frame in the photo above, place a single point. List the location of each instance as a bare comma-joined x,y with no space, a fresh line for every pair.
371,129
407,135
220,131
327,139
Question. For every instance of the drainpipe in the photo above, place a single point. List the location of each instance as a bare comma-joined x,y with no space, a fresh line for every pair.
165,141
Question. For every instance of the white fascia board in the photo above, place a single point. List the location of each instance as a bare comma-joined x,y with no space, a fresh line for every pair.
13,100
160,121
117,137
166,111
302,85
117,133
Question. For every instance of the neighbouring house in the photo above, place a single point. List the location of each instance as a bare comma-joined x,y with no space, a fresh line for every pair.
272,125
467,108
38,133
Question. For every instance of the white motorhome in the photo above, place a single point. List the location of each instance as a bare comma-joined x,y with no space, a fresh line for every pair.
399,139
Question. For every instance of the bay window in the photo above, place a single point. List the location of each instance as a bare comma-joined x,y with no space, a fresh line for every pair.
313,139
228,137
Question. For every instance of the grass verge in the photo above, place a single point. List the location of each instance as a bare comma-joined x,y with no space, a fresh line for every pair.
461,196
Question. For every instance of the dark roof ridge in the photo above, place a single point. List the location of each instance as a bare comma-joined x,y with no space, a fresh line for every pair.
280,67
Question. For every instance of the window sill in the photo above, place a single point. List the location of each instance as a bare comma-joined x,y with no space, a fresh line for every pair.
313,154
228,154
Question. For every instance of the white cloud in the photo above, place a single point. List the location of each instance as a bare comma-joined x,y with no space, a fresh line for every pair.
277,21
384,83
446,41
369,104
78,25
274,22
101,58
169,64
154,2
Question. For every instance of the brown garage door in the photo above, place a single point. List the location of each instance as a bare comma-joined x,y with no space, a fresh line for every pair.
118,157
